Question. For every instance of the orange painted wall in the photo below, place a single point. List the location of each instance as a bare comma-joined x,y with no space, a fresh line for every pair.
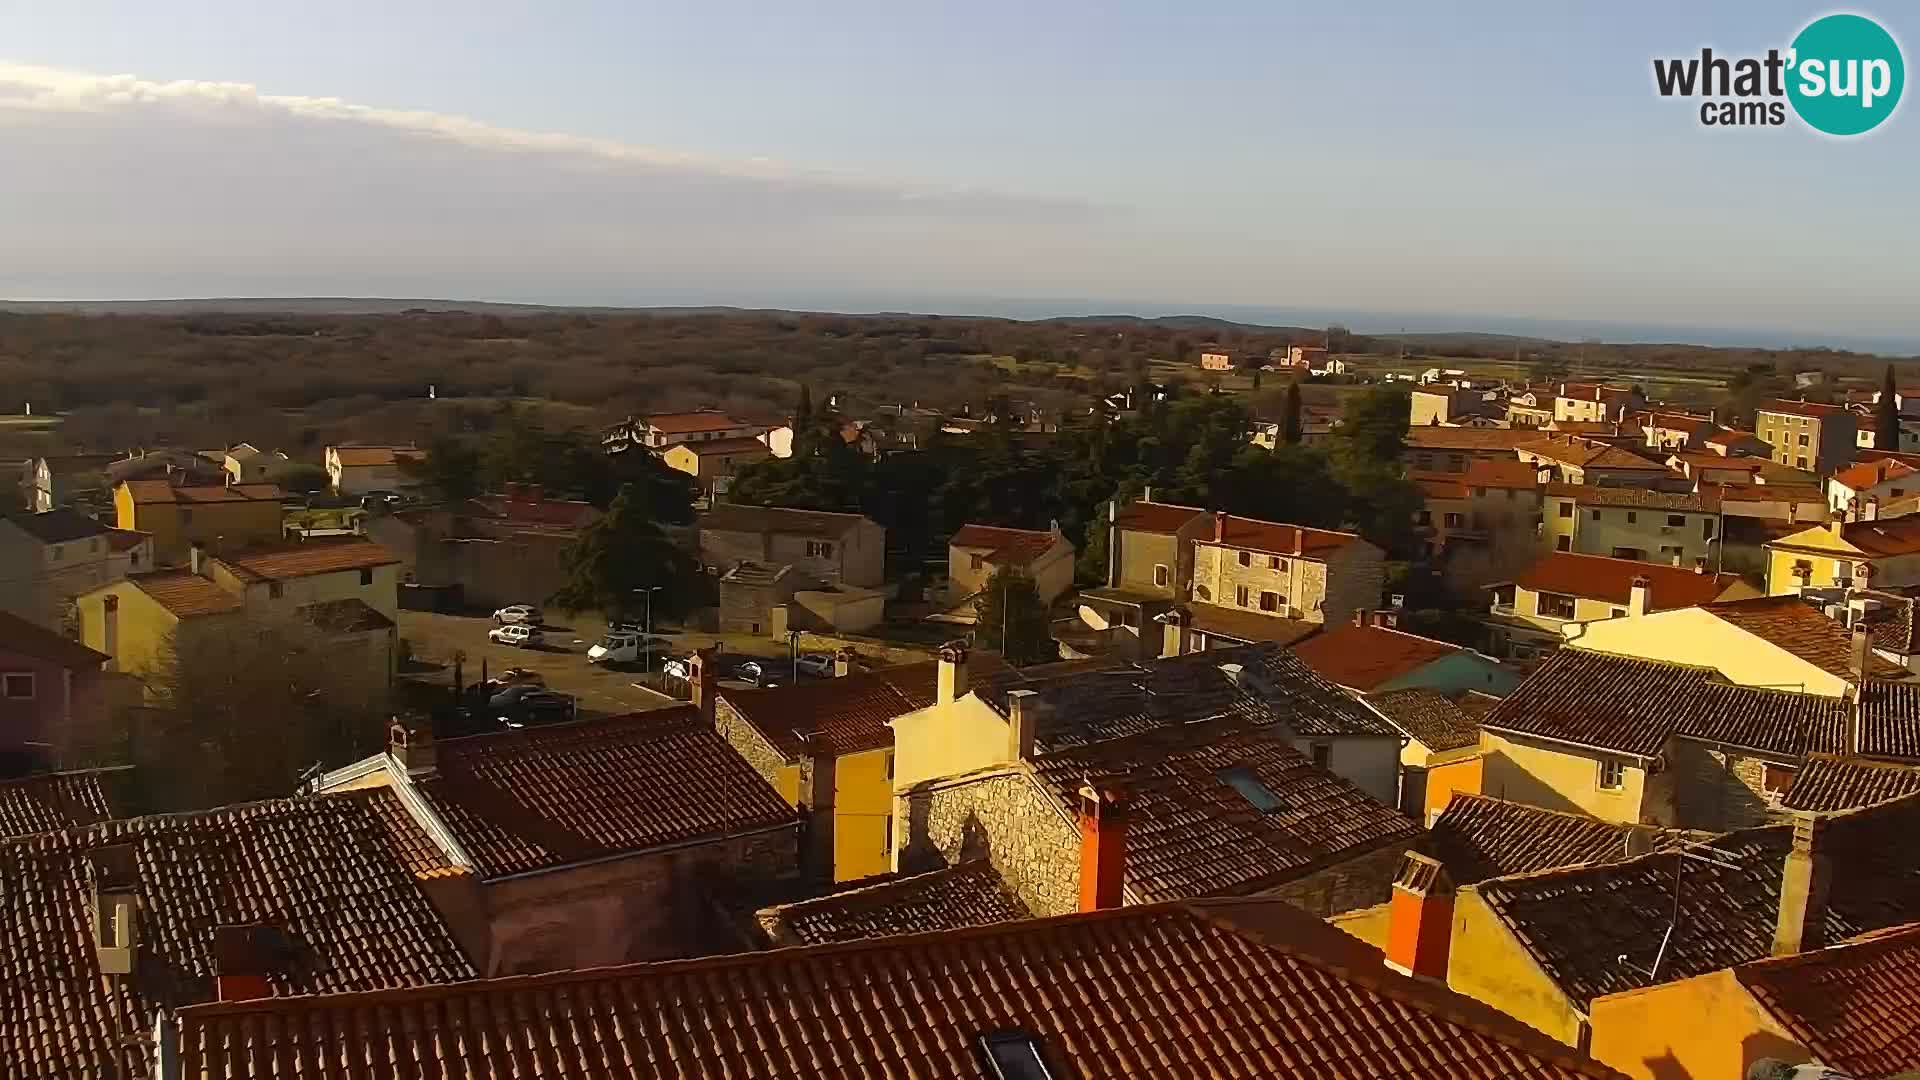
1699,1027
1444,780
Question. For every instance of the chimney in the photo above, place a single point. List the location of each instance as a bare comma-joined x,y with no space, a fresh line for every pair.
952,680
410,743
1803,890
1639,596
116,908
1147,495
1420,919
816,787
843,662
1299,539
1219,525
705,681
197,558
1860,656
1173,633
1103,848
1023,720
243,957
1871,511
1362,617
1113,542
1234,673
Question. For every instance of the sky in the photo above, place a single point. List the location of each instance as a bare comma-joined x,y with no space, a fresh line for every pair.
1496,166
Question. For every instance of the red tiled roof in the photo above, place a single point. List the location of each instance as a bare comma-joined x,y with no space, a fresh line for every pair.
1154,517
1211,989
777,520
1803,408
1434,719
376,456
126,539
320,869
1501,473
1794,626
1471,440
1729,435
1828,782
1363,657
1587,453
1016,547
1868,473
59,800
844,715
1705,501
1764,492
287,561
1440,486
971,894
1479,837
184,594
1597,577
544,797
1854,1006
1277,538
1708,460
1875,539
1242,624
688,423
17,635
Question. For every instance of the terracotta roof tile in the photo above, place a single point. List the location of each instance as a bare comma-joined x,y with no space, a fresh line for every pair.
1597,577
1634,706
848,714
126,539
1192,831
55,526
1276,538
17,635
321,869
1803,408
1829,782
1431,717
1854,1006
1877,539
1472,440
349,616
1503,473
1638,498
1866,474
1245,625
184,594
163,491
546,796
1889,721
1791,624
1007,546
689,423
1363,657
1596,930
1479,837
1162,991
1155,517
1439,486
778,520
971,894
284,562
746,445
59,800
376,456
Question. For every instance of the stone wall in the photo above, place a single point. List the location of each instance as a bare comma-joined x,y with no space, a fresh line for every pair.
1003,817
650,906
1359,882
748,741
1718,789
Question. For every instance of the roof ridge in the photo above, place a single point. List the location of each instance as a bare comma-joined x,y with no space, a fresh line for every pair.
1883,939
968,866
1719,842
527,734
62,774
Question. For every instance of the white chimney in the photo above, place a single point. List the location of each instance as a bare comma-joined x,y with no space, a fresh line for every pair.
951,684
1023,720
1639,596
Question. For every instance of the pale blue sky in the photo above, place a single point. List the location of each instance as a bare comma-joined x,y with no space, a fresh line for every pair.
1424,163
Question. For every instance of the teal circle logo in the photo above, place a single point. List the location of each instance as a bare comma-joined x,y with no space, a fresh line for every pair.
1846,74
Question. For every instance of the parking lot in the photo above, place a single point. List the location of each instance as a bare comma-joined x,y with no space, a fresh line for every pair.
602,689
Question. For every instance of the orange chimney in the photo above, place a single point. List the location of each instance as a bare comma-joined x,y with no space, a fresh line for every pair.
1103,848
1420,919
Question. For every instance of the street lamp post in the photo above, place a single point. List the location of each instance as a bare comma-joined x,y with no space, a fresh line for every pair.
646,646
793,650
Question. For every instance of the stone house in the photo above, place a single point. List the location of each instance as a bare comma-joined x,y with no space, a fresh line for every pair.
840,549
1436,448
1596,402
51,482
55,556
1846,554
1285,571
1575,459
497,550
1149,571
712,464
591,842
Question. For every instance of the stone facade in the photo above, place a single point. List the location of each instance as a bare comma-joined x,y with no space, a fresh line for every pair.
750,744
1349,885
1306,587
646,906
855,557
1719,790
1003,817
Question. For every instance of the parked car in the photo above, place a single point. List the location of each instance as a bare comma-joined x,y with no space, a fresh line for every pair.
818,665
517,706
518,613
519,635
756,673
626,648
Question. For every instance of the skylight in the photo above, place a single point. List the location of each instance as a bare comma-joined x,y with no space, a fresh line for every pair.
1013,1055
1251,789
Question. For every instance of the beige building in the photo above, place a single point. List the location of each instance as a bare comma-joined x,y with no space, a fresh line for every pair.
712,464
1529,612
356,470
1671,528
1596,402
1285,571
1877,488
1573,459
824,548
1808,435
1149,571
1851,554
977,552
248,464
51,558
1213,358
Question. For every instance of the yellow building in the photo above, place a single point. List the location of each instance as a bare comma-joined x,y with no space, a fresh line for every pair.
1767,641
825,746
1881,554
708,462
1529,612
348,589
977,552
219,518
1666,527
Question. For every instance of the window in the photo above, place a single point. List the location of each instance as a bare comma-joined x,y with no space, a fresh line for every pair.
1618,612
1564,543
1776,779
1669,552
1424,517
1706,528
1274,563
274,590
14,685
886,839
1803,440
1240,596
1676,520
1479,493
1242,780
819,549
1269,601
978,561
1566,509
1322,755
1801,462
1613,776
889,764
1201,592
1553,605
1161,575
1454,521
1594,513
1246,558
1014,1055
1632,517
366,577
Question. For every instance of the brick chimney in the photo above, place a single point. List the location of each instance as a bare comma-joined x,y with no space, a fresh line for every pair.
1639,595
197,559
704,679
1103,848
1023,721
243,957
1219,525
951,684
410,743
1420,919
1804,880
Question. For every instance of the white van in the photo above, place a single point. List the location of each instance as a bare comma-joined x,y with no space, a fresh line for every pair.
621,647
